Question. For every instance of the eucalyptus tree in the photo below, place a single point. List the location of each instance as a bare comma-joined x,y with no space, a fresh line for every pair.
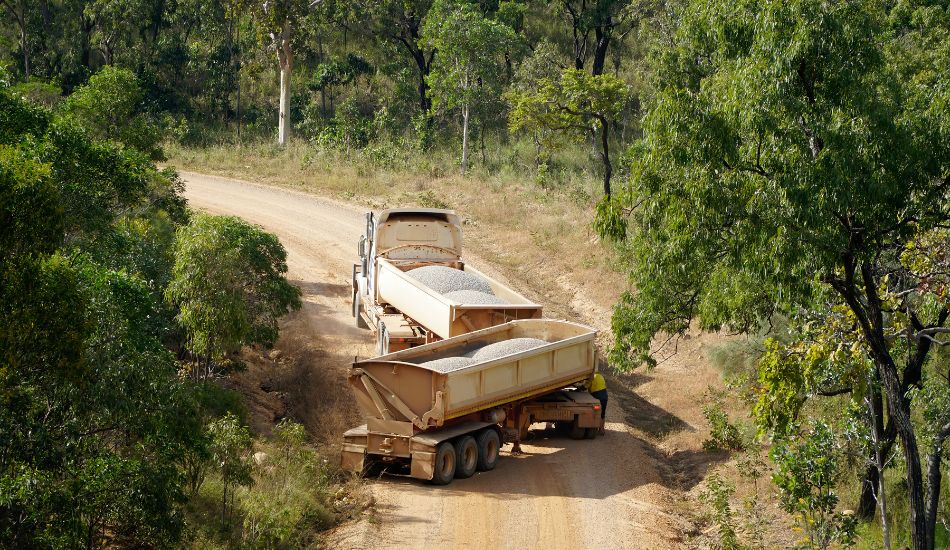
572,104
276,21
793,154
469,67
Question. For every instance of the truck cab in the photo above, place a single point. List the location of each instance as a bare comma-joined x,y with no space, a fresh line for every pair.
412,237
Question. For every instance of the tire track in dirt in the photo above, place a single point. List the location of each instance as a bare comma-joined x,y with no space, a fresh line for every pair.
606,493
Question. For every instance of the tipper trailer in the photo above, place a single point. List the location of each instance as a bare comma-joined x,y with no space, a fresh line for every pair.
447,422
402,311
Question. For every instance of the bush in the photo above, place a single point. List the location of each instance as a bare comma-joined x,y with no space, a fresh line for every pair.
716,495
806,475
724,435
229,286
111,107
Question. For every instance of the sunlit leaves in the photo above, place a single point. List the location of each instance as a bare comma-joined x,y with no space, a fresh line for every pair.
228,284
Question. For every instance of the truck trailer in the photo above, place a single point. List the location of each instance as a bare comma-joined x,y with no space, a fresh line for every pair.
443,412
401,310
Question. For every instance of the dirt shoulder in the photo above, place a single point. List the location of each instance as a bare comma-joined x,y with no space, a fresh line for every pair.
629,489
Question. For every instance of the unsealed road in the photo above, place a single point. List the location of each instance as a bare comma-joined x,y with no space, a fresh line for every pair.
560,493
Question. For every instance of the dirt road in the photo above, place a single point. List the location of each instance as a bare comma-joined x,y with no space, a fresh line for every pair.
606,493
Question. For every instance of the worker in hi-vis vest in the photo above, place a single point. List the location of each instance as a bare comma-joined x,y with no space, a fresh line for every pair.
597,387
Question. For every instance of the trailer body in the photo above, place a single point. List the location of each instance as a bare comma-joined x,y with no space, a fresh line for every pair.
415,413
404,312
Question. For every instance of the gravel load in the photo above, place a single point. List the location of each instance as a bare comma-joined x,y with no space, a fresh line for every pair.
448,364
473,297
484,353
445,279
506,347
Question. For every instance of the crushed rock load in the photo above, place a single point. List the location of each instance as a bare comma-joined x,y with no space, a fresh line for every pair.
473,297
448,364
506,347
484,353
445,279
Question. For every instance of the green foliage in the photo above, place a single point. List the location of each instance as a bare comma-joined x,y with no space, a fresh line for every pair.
716,495
469,46
293,500
295,495
229,447
724,435
727,146
18,118
789,159
347,130
111,107
577,105
467,72
574,103
39,92
340,72
228,285
806,473
26,193
87,234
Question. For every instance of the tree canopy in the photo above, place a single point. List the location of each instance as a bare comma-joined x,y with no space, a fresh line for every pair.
789,159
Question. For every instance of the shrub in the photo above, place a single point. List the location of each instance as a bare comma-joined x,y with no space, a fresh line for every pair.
111,107
724,435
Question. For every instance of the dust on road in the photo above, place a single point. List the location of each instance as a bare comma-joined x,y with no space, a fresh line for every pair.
606,493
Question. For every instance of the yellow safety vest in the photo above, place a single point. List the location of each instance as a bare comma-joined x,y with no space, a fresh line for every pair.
597,383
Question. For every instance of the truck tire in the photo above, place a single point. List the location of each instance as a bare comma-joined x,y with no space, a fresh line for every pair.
489,445
466,457
590,433
445,462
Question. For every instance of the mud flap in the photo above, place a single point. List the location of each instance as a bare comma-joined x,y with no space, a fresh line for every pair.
353,458
423,465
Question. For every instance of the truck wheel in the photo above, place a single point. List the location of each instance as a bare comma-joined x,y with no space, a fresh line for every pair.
488,446
444,464
466,454
576,431
590,433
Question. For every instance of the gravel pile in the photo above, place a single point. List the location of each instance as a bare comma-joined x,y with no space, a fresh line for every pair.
484,353
506,347
445,279
448,364
473,297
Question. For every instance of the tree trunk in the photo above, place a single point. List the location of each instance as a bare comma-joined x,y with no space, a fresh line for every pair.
464,138
600,51
605,154
933,484
905,432
286,59
26,50
870,315
481,140
867,503
874,408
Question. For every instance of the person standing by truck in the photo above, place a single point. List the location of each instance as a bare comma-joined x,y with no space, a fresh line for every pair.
597,387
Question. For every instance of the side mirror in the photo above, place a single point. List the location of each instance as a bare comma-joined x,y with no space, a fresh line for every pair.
369,225
362,247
